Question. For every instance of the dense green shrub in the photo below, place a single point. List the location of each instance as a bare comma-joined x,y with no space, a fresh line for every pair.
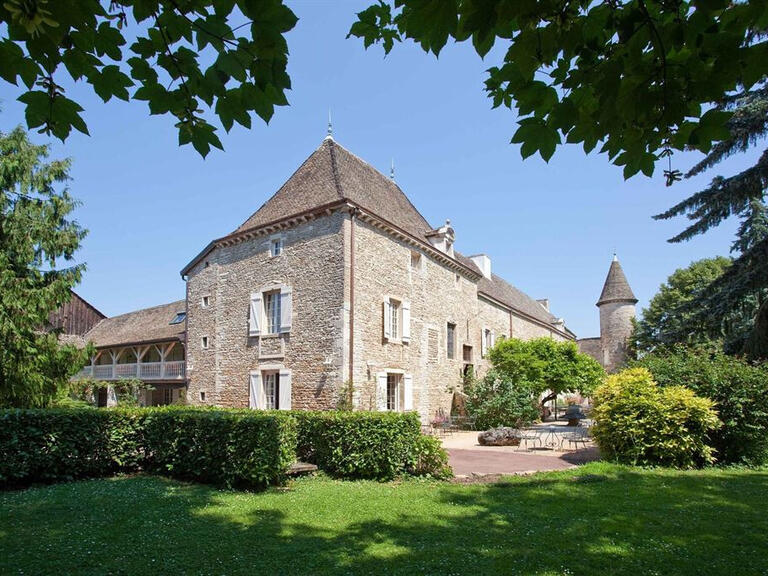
230,447
740,392
428,458
638,422
64,444
377,445
498,401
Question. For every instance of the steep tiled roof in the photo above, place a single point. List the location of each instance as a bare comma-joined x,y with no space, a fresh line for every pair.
616,287
333,173
147,325
501,290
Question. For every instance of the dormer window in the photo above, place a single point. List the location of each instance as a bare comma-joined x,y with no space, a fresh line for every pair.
179,318
442,238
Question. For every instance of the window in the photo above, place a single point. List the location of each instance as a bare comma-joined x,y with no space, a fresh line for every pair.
271,391
393,392
467,353
205,302
202,395
272,311
487,341
179,318
457,281
276,247
450,342
394,312
204,342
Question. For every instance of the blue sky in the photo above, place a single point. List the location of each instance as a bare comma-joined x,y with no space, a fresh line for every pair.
550,229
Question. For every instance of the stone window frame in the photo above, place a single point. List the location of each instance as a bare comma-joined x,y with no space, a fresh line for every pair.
397,309
205,301
205,342
450,346
404,393
284,390
276,245
258,306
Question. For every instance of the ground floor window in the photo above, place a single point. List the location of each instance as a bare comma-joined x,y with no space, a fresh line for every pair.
393,392
271,390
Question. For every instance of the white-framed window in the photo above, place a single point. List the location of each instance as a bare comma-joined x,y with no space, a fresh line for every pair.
205,301
272,311
204,342
275,247
487,341
450,341
397,320
393,392
271,390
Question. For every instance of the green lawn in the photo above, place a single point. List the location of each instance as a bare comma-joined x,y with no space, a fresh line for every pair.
599,519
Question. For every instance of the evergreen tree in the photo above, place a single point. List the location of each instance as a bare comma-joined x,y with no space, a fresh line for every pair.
36,236
743,288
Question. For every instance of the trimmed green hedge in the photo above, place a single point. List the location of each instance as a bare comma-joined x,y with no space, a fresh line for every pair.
374,445
230,447
213,445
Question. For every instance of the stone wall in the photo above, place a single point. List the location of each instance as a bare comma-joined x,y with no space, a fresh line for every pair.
615,331
436,297
591,346
312,264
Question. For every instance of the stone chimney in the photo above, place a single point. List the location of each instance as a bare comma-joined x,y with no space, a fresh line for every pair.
483,262
544,302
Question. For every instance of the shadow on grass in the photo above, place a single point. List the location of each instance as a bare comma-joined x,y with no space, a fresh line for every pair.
602,519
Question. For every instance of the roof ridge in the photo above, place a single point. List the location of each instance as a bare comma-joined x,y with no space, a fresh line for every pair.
335,167
143,310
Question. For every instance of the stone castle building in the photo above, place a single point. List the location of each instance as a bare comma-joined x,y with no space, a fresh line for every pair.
617,310
336,287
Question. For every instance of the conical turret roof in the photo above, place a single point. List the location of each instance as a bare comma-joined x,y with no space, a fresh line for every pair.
616,287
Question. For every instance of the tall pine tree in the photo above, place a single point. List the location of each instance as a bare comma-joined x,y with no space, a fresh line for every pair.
38,241
744,286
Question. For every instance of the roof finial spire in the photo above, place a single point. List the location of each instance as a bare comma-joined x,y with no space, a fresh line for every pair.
392,171
330,125
615,258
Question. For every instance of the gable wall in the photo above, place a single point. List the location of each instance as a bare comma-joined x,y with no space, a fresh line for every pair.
312,263
383,269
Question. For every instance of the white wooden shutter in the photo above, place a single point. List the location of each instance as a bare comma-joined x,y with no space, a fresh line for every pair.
407,392
493,338
256,400
406,307
381,391
286,308
254,316
483,344
284,402
387,312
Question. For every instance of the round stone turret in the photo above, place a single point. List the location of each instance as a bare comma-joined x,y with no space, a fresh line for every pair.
617,309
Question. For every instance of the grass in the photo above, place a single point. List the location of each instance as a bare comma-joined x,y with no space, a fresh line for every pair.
599,519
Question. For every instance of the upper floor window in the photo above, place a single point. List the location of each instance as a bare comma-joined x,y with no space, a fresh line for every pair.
276,247
397,320
415,261
487,341
272,311
450,341
205,302
179,318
